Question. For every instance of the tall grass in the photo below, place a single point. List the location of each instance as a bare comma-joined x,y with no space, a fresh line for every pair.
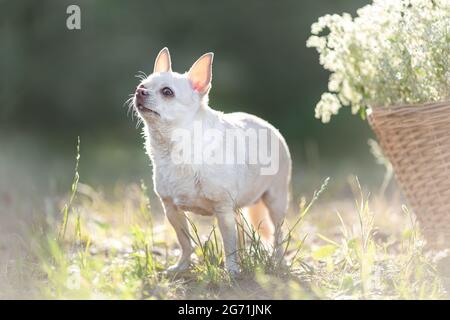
68,206
101,248
362,267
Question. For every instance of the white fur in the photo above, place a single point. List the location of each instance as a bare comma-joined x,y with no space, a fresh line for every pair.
207,189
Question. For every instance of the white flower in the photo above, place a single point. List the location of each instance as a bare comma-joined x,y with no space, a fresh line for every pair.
328,105
392,52
316,42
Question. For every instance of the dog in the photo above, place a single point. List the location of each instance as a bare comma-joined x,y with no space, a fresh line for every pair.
173,107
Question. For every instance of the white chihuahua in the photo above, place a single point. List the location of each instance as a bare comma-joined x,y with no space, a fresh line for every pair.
173,108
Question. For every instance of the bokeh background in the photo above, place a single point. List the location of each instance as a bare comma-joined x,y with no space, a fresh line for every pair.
57,84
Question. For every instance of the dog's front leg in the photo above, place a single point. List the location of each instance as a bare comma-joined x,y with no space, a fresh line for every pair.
227,226
179,222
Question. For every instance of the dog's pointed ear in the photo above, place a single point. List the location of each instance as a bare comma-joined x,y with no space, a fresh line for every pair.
162,62
200,73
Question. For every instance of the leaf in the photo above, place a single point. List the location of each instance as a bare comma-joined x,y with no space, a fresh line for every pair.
324,252
352,244
326,239
347,283
407,234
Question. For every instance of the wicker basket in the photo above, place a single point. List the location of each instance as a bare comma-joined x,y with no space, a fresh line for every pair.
416,139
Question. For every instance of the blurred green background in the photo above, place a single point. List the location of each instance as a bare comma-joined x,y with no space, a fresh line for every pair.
57,84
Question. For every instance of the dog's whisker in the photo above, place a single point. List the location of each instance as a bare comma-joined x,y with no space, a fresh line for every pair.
143,73
130,99
128,111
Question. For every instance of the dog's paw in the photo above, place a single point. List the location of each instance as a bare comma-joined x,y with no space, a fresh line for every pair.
233,271
180,267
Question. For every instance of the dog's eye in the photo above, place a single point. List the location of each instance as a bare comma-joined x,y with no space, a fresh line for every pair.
167,92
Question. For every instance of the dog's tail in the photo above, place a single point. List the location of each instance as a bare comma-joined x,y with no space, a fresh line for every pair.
258,216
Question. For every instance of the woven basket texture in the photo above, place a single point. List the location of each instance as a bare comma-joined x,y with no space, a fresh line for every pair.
416,140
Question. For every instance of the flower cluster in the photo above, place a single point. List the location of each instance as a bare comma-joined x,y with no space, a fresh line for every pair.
393,52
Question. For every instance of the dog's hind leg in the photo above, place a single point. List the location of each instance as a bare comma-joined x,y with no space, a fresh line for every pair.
276,200
260,219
